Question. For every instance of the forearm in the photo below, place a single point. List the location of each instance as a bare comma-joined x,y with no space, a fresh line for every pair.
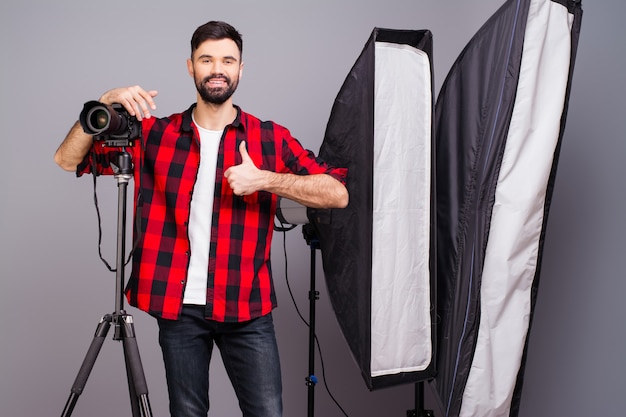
73,149
316,191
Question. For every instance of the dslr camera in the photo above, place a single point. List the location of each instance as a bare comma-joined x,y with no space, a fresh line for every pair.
111,123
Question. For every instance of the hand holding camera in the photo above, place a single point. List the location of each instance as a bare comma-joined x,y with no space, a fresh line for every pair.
117,123
135,100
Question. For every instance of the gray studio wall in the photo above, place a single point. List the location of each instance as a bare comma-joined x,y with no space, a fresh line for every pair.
54,289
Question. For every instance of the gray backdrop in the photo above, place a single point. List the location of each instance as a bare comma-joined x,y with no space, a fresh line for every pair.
54,289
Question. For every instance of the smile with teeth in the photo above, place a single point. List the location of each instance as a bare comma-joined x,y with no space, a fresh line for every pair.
217,82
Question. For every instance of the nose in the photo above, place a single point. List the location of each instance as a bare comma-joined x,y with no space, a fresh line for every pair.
216,68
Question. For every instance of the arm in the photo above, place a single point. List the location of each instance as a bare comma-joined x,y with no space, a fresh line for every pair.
316,191
77,143
73,149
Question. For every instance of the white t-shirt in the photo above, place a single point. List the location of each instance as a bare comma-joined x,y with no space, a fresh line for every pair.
200,217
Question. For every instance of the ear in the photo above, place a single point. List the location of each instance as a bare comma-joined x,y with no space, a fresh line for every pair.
240,70
190,67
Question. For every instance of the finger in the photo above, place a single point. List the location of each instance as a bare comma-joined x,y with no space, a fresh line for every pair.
142,100
148,95
131,106
129,99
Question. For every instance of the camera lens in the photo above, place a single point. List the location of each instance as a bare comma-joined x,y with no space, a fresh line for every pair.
103,120
98,119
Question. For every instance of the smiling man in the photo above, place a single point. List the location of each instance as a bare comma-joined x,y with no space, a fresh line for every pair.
207,182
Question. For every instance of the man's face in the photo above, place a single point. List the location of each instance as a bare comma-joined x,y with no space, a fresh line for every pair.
216,68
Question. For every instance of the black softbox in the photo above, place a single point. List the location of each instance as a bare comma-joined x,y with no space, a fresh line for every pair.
500,118
378,253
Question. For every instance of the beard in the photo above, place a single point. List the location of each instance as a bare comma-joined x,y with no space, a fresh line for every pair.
216,95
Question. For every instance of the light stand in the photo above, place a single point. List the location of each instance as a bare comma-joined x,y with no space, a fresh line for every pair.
308,230
292,214
419,403
123,322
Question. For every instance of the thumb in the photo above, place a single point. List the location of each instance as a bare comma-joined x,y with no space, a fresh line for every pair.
244,152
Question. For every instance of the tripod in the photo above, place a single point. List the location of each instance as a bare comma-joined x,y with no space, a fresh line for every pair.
122,322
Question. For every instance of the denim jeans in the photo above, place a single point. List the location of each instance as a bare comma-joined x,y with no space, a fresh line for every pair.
250,356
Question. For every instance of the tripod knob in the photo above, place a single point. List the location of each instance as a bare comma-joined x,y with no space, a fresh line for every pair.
311,380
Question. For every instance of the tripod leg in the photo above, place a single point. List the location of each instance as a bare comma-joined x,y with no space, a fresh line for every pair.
87,365
132,392
137,385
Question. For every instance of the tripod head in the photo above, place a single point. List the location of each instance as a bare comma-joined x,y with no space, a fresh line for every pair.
122,164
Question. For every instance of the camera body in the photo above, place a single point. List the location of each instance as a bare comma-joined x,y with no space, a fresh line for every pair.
111,123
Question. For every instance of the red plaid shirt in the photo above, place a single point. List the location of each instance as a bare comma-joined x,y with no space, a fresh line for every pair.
166,160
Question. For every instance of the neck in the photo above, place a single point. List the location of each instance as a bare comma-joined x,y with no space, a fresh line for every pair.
214,116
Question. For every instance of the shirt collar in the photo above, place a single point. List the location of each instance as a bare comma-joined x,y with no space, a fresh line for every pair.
187,119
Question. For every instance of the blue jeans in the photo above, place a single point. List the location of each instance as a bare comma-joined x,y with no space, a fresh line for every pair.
250,356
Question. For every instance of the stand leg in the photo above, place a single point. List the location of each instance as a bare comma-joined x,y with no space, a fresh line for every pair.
311,380
137,385
132,393
87,365
419,403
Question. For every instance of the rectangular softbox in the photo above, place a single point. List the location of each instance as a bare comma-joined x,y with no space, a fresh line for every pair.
378,253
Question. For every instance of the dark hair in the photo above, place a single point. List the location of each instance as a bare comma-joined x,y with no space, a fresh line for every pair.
215,30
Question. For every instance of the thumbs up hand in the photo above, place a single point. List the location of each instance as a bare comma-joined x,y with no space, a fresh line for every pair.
245,178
